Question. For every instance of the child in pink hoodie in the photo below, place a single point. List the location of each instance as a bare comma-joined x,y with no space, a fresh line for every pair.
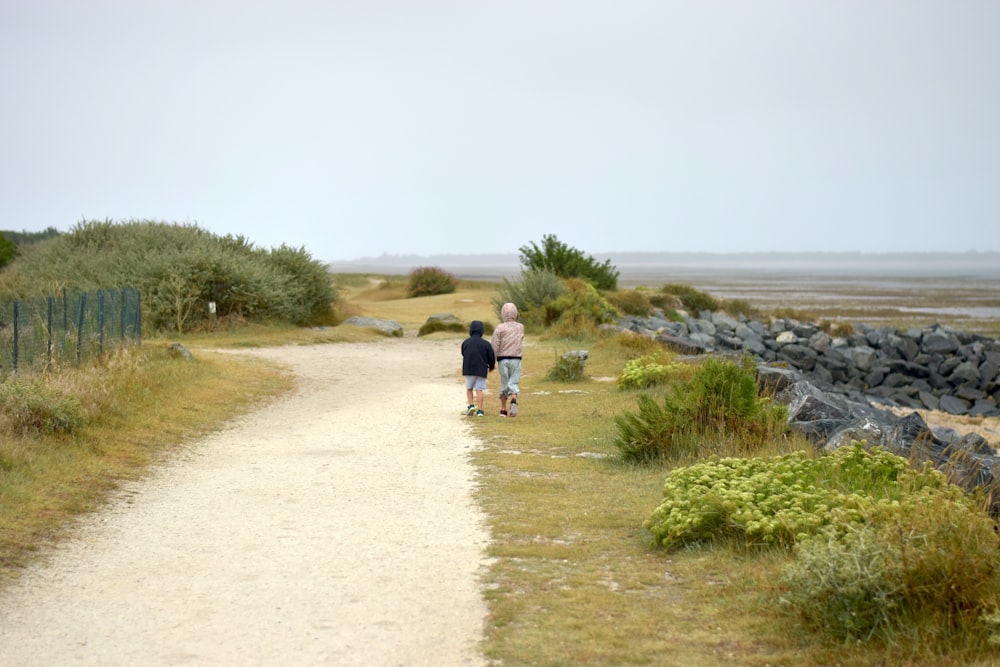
507,341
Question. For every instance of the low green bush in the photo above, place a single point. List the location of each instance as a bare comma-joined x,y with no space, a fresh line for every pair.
581,302
718,397
694,301
631,302
434,326
567,368
919,566
649,371
430,280
772,501
28,406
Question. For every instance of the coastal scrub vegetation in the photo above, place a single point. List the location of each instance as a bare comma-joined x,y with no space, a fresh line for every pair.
180,270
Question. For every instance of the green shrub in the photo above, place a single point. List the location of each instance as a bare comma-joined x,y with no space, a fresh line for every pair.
693,300
631,302
28,406
567,368
778,500
582,302
435,325
719,398
308,288
566,262
430,280
921,565
179,269
649,371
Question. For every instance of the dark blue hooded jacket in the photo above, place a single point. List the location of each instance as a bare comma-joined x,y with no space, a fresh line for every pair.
478,357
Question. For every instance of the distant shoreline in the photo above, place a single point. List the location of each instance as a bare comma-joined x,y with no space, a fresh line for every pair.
651,266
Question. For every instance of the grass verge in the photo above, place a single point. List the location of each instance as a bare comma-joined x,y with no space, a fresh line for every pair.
575,579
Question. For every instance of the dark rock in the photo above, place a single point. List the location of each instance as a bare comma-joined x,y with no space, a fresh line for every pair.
799,356
862,356
855,431
820,341
707,341
985,407
896,380
939,341
909,368
965,372
953,405
776,381
929,400
876,377
969,392
389,327
681,345
972,443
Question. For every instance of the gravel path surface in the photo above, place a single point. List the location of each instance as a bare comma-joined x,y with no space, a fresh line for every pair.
333,527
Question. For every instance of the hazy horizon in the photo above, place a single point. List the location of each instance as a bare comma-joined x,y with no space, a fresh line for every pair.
975,264
357,128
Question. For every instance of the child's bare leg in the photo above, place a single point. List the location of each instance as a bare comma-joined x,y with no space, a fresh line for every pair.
479,399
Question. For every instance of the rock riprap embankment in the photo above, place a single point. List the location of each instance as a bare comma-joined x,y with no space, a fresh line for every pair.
932,368
843,389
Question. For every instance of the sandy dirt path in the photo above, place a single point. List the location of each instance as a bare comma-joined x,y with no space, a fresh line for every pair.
333,527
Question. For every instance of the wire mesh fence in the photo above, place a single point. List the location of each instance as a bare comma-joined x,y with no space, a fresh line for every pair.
67,328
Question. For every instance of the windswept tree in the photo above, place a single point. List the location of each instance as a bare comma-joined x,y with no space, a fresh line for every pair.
556,257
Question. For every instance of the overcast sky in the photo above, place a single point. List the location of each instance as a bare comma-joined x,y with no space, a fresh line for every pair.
369,127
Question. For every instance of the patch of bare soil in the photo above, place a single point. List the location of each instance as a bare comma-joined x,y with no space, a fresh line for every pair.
333,527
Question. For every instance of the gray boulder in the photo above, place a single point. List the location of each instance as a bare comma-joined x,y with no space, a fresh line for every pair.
388,327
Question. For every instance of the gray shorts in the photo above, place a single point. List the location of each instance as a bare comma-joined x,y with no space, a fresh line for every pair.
475,382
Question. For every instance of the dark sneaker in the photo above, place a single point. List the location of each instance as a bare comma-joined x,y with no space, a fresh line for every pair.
503,413
480,413
471,410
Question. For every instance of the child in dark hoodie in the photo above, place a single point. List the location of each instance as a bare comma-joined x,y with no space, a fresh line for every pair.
478,360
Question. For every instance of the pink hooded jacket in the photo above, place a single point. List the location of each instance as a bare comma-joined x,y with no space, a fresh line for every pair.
508,337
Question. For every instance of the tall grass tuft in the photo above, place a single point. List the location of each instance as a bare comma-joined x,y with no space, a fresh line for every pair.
631,302
718,398
30,406
531,292
694,301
